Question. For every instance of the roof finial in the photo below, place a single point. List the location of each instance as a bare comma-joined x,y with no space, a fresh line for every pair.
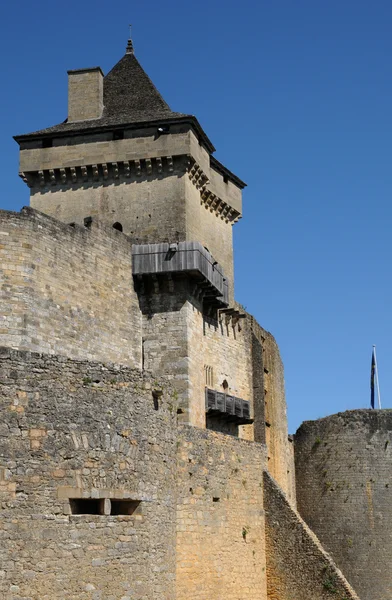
130,44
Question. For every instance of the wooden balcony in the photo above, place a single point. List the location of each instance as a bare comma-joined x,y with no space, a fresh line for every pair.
181,259
229,407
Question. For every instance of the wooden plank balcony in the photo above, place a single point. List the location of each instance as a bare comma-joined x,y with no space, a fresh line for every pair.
183,259
229,407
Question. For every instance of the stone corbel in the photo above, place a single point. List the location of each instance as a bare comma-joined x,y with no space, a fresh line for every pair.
148,166
52,177
63,176
127,168
105,170
84,173
95,172
41,176
115,170
138,168
170,163
159,165
73,174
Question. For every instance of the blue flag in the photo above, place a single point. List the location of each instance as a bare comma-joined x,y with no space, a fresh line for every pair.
372,372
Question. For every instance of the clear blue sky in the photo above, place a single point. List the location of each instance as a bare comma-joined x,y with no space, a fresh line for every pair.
297,98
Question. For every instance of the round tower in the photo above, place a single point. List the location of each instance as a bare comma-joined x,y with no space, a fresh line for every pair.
344,493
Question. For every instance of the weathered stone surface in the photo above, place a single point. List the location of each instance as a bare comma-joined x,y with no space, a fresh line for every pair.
99,433
298,568
343,470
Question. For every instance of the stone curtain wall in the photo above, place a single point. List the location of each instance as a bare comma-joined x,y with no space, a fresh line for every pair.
67,290
344,487
220,517
298,568
223,347
268,373
69,428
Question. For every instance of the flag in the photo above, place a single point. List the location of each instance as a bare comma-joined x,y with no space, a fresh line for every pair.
372,372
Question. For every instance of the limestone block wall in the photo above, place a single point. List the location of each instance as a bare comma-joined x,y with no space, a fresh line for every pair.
67,290
71,429
220,517
211,230
179,340
225,349
297,565
343,470
268,374
148,206
164,338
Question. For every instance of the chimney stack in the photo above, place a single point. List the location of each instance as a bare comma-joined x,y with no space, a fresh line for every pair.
85,94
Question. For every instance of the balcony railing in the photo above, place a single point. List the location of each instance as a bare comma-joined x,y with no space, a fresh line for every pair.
183,258
227,406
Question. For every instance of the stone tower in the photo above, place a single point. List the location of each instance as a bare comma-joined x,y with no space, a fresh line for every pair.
124,156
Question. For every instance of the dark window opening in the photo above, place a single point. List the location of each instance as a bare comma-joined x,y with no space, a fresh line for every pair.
215,499
117,226
86,506
47,143
124,507
118,134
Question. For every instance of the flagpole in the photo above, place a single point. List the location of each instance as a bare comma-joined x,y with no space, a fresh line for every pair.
378,383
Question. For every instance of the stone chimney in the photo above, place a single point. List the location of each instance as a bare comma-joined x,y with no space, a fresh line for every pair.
85,94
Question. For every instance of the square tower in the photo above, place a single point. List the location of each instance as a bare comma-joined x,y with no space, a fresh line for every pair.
124,157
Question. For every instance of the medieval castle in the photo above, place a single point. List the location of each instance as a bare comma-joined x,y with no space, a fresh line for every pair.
144,452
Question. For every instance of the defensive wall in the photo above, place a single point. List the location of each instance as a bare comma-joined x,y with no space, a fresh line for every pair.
297,565
80,437
105,496
69,290
344,481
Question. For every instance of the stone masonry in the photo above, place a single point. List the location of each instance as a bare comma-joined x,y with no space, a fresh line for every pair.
144,451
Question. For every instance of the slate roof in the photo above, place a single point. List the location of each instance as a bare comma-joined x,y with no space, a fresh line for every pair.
129,96
130,100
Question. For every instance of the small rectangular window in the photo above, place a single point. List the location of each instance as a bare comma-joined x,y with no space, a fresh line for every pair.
124,507
86,506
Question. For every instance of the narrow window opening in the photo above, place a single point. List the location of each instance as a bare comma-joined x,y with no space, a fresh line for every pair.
117,226
225,385
118,134
86,506
216,499
208,376
124,507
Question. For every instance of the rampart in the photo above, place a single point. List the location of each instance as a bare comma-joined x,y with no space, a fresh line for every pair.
97,442
343,470
220,517
297,565
67,290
